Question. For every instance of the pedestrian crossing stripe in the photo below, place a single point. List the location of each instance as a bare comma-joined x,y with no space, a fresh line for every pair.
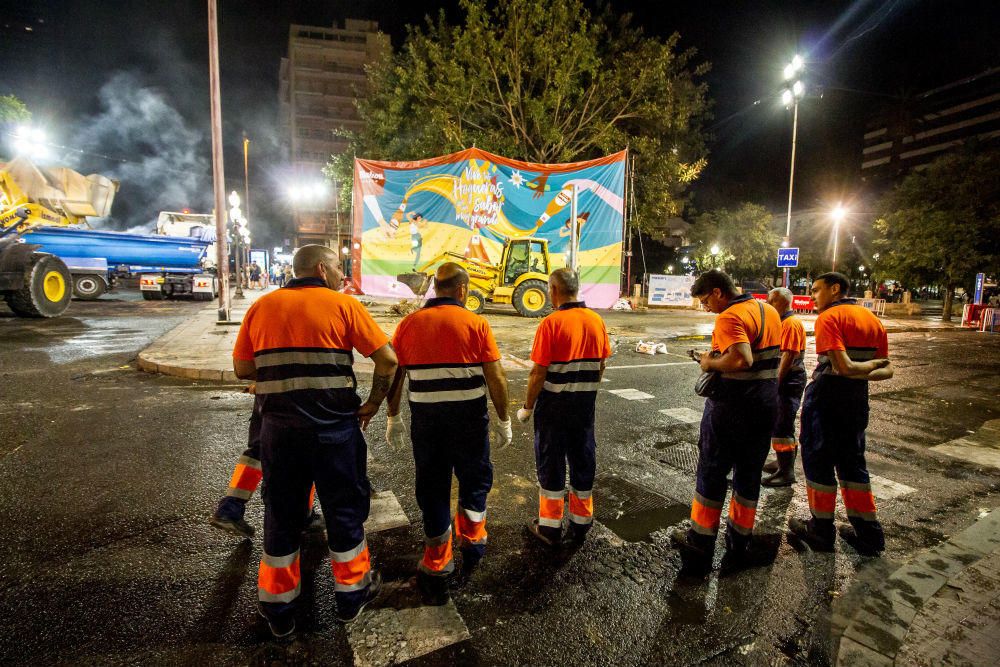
385,635
631,394
683,415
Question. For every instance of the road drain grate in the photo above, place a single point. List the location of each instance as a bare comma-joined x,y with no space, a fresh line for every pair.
684,457
632,512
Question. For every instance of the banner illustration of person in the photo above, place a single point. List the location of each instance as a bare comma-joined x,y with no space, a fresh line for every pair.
469,203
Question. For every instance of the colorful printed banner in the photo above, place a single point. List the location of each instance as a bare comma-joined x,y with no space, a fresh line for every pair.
407,214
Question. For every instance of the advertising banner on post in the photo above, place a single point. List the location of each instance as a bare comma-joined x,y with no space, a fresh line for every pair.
670,290
409,215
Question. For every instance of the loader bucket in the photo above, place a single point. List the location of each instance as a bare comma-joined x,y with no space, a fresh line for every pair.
418,282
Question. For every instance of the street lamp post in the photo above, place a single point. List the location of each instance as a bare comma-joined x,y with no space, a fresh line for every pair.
790,97
838,214
236,215
218,175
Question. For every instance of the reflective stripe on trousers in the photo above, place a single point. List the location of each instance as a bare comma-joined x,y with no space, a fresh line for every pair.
245,479
279,578
437,560
351,568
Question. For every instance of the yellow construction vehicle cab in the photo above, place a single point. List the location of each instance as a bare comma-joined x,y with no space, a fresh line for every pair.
520,279
38,284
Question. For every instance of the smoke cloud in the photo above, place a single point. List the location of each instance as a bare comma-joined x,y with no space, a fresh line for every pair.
167,165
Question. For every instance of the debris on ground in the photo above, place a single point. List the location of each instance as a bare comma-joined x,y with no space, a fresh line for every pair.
650,347
622,304
404,307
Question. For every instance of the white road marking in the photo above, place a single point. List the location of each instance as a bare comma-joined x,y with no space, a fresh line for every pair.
684,415
982,446
386,636
631,394
886,489
386,513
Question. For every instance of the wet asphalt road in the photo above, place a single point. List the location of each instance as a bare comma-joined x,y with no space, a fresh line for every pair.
107,475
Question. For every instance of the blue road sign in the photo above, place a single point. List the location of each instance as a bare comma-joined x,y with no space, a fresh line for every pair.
788,258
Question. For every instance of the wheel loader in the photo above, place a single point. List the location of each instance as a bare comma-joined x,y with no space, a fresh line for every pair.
39,284
520,279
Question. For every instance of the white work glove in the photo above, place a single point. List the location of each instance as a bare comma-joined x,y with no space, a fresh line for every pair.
395,432
524,414
502,432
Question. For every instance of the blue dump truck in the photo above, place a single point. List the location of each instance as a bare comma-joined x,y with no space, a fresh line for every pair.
167,266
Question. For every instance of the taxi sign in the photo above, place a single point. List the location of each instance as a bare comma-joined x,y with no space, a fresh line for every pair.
788,258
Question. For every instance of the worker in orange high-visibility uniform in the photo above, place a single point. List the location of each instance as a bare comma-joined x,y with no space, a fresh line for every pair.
737,423
569,352
791,383
297,343
853,350
451,360
229,513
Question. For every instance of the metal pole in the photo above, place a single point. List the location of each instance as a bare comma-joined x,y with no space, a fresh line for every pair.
218,176
573,231
836,238
791,181
237,237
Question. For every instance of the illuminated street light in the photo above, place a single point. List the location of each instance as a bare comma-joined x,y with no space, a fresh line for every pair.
790,98
715,249
345,250
861,269
308,192
30,141
670,268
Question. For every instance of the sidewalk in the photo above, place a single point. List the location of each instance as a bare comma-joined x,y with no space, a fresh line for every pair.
201,349
941,608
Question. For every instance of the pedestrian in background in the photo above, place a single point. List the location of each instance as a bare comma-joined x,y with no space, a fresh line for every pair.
791,383
569,352
737,423
297,343
853,349
451,360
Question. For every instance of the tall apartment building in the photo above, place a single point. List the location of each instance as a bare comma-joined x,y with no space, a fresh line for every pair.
910,134
320,79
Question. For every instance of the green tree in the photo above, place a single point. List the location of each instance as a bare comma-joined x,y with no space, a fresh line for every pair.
12,110
942,225
542,81
745,240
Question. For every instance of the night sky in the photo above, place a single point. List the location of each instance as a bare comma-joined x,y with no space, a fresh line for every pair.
124,85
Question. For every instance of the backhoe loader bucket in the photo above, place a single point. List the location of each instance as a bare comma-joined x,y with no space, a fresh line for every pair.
418,282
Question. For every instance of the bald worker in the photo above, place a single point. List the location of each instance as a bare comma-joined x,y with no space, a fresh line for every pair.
451,360
791,383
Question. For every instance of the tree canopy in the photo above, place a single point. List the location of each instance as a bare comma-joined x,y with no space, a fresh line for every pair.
941,225
542,81
13,110
745,240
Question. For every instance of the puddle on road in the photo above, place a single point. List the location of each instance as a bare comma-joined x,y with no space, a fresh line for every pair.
632,512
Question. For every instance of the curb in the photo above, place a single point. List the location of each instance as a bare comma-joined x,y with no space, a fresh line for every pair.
878,630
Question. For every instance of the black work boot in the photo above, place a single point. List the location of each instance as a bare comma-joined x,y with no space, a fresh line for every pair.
433,590
696,551
770,467
869,541
818,534
785,473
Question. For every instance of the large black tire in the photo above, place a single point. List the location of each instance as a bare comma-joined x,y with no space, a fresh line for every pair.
150,295
89,287
47,289
475,301
531,299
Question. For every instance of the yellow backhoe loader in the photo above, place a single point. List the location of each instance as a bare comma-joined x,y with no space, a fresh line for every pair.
520,279
38,284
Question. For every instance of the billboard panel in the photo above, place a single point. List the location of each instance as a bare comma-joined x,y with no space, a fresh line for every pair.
408,215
